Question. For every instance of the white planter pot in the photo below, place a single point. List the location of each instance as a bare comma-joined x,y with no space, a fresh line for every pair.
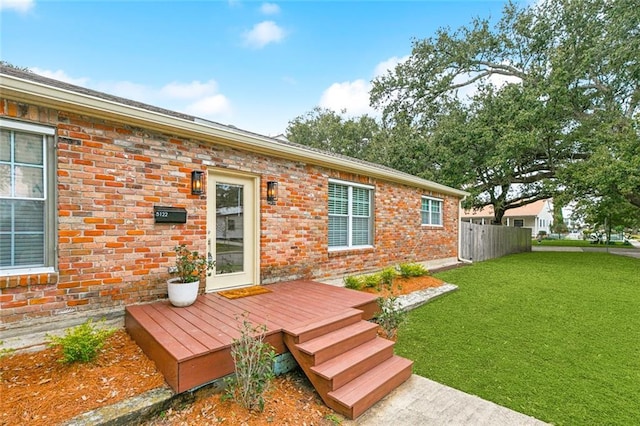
182,294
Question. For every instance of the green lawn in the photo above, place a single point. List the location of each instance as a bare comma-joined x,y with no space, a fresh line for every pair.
553,335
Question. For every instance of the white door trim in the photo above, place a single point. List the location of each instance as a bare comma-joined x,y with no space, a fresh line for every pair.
251,275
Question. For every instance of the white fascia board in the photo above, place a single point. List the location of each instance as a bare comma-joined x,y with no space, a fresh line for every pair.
54,97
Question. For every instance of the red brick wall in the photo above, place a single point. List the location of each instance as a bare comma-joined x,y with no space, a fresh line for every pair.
111,253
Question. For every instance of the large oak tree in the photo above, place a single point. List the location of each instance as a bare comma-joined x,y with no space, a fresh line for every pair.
556,88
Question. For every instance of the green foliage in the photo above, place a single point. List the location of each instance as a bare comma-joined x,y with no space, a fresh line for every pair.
333,418
390,316
253,359
412,270
353,282
372,281
5,351
387,275
81,343
525,330
16,67
192,266
326,130
564,115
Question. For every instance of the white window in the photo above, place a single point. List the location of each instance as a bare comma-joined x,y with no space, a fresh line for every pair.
26,196
350,215
431,211
518,223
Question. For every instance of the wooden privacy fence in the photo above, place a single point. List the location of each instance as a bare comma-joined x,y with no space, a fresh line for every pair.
483,242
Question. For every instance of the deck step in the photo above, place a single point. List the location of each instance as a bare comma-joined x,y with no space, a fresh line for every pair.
342,369
358,395
348,364
316,328
337,342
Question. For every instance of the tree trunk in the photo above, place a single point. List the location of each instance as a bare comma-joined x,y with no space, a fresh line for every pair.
498,214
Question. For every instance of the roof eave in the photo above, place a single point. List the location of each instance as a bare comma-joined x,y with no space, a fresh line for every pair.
42,94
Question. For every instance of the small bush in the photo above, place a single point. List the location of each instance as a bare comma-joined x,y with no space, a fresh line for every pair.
412,270
81,343
353,282
5,351
390,316
253,359
388,275
372,281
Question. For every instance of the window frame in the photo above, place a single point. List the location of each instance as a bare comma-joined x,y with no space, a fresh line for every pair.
350,216
49,164
429,211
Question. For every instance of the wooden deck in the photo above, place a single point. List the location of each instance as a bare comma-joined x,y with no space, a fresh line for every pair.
191,346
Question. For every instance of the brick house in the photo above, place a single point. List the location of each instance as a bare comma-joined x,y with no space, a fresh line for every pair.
94,189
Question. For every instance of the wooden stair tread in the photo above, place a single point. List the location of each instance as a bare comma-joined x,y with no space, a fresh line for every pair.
340,364
336,337
372,382
317,327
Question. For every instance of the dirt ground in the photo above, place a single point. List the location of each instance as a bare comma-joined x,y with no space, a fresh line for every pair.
36,389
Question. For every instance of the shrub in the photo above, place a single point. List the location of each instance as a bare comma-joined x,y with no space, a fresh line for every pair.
388,275
353,282
390,316
5,351
253,359
412,270
81,343
372,281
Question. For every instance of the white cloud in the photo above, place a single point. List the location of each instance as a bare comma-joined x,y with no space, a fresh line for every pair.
270,8
21,6
210,106
466,92
60,75
389,65
201,99
352,96
126,89
263,33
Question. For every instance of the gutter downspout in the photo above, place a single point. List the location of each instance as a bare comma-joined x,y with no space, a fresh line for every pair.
468,261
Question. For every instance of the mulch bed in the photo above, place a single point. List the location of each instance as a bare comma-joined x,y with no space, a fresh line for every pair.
36,389
402,286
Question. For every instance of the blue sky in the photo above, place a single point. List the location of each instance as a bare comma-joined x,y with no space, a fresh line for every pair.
255,65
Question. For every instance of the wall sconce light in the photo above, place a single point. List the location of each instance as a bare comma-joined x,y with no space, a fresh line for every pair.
272,192
197,184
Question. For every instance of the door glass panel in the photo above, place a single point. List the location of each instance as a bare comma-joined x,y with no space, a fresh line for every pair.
229,228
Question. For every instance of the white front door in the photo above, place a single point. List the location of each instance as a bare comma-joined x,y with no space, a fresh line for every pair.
232,232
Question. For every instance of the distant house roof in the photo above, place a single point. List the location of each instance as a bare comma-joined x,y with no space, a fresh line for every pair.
30,87
532,210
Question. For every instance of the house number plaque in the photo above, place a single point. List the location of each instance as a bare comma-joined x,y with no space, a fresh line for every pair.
163,214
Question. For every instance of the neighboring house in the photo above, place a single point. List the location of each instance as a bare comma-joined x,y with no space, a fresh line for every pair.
94,189
538,216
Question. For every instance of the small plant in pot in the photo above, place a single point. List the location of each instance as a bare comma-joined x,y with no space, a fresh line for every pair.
191,268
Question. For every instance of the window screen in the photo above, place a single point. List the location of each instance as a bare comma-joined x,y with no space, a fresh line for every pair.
350,217
23,199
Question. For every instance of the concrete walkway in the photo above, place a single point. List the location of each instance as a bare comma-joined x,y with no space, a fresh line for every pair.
630,252
421,401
